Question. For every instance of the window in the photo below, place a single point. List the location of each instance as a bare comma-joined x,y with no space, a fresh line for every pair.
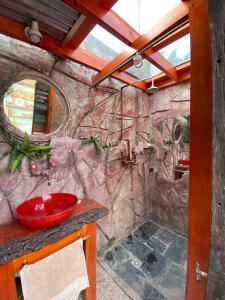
178,52
142,15
147,70
103,44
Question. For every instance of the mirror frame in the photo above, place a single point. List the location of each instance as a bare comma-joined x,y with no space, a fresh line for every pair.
17,133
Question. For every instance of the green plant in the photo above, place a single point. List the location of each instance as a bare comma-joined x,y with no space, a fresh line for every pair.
168,142
25,149
98,145
93,139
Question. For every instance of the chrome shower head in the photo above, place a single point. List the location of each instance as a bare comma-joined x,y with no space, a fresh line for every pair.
153,89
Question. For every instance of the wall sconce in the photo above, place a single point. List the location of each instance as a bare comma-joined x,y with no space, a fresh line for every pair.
137,59
32,32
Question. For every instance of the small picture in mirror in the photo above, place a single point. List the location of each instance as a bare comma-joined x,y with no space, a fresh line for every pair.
34,106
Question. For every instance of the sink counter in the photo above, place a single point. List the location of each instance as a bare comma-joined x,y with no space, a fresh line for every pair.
17,240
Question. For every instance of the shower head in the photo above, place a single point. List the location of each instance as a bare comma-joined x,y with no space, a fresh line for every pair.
153,89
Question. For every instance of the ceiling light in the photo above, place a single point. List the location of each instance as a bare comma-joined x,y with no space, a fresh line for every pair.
137,59
32,32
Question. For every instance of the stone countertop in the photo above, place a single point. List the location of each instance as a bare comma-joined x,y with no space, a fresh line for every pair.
17,240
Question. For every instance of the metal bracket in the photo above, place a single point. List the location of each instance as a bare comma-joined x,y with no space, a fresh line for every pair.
200,274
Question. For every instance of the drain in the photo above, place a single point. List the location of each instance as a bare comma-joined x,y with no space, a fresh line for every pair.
136,263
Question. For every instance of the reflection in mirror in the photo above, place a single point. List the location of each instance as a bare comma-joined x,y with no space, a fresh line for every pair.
34,106
175,134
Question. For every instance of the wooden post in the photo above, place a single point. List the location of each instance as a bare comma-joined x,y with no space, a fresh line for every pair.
200,196
48,123
216,273
90,255
7,282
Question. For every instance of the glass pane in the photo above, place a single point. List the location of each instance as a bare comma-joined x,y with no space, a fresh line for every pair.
142,15
178,52
147,70
103,44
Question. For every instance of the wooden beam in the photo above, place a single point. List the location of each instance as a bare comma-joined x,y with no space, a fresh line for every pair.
83,26
112,65
178,15
162,63
81,56
201,175
216,273
168,40
162,80
170,21
75,38
108,19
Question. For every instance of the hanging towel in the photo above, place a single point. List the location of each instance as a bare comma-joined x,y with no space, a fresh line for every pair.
60,276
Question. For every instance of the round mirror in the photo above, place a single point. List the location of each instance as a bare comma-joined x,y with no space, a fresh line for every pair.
177,132
36,106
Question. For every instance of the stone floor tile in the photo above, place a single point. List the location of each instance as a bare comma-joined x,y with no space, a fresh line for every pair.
175,278
116,255
150,263
144,232
177,251
136,247
154,264
150,293
166,236
157,245
136,279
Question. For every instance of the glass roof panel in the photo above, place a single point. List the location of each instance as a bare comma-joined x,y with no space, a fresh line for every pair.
178,52
142,15
147,70
103,44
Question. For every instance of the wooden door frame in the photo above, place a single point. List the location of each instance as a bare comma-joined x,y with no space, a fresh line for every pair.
200,189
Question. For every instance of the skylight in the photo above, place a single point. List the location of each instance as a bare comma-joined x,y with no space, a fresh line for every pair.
103,44
142,15
147,70
178,52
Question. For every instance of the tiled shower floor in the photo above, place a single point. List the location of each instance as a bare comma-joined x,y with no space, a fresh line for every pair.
151,263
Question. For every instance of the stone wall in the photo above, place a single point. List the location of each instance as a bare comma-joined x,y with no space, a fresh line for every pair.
130,191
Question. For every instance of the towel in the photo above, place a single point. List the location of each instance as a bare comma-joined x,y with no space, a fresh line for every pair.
60,276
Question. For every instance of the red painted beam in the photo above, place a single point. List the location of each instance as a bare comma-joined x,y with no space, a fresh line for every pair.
168,40
162,80
162,63
170,21
108,19
16,30
83,26
179,14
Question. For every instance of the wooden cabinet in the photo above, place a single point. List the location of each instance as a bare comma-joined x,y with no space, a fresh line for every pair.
89,209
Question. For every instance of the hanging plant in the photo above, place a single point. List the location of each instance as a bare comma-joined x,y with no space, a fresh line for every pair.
25,149
98,145
20,150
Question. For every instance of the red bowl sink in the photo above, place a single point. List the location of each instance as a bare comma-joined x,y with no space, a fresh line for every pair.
184,162
47,210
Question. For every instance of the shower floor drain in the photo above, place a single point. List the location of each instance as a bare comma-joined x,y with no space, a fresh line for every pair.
136,263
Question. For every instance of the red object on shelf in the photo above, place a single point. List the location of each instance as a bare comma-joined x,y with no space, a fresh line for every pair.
185,162
47,210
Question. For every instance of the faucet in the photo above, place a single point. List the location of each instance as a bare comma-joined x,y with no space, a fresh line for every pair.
48,179
128,156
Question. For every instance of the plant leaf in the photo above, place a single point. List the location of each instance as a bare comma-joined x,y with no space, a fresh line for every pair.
26,141
16,161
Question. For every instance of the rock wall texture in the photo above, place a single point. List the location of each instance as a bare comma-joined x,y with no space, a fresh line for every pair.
132,192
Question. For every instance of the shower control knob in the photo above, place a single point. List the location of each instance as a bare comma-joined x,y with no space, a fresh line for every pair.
199,273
